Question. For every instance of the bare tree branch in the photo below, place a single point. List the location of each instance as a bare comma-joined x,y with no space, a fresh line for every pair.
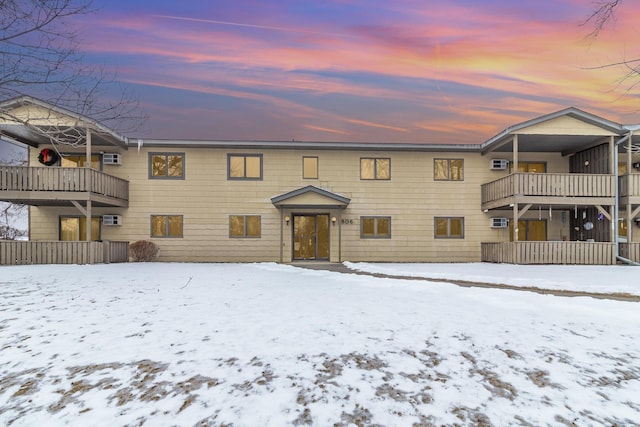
40,56
11,212
603,14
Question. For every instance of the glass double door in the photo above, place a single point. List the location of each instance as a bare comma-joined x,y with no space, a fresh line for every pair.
311,237
530,230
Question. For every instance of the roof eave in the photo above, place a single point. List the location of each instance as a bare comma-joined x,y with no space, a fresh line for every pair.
110,135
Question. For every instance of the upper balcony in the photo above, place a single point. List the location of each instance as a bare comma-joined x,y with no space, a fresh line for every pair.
629,188
54,186
549,188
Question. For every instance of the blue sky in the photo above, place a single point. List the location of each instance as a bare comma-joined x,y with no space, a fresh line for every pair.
356,70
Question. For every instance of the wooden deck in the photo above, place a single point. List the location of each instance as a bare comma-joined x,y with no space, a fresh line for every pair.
49,185
13,252
585,253
548,188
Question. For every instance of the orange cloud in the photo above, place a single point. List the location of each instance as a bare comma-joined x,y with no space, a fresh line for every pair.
480,70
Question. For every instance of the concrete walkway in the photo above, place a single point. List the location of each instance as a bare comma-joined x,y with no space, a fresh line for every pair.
340,268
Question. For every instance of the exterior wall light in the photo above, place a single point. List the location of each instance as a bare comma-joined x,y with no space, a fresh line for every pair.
333,220
287,219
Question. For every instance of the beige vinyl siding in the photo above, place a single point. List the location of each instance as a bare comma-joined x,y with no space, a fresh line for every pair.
206,198
564,125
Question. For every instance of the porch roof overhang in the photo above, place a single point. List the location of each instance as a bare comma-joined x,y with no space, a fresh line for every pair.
36,131
310,197
534,136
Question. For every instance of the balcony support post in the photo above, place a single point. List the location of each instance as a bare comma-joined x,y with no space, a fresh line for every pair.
516,257
628,178
515,153
629,223
89,184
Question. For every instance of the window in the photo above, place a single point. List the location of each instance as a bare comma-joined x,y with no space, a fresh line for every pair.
244,166
375,168
75,228
530,230
448,169
531,167
166,225
622,227
375,227
79,161
166,165
449,228
622,168
244,226
310,167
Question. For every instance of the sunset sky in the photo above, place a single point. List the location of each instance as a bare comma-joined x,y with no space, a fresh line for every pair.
361,70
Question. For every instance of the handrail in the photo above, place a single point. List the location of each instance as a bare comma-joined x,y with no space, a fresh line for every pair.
549,184
28,178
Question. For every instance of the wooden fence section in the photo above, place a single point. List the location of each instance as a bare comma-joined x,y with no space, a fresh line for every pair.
630,251
586,253
26,178
629,185
549,184
13,252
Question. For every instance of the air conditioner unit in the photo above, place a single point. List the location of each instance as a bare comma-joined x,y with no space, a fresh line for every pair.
499,164
111,159
499,222
111,220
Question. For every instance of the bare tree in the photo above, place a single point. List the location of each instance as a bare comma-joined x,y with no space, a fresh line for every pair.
40,55
603,15
10,214
13,216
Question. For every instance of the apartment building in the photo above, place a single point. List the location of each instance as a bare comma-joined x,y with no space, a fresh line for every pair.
561,188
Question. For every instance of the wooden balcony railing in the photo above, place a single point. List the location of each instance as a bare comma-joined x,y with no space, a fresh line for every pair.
13,252
549,185
586,253
26,178
630,251
629,185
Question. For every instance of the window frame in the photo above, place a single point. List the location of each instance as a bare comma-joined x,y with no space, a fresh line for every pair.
244,178
245,218
166,155
80,228
448,170
528,163
448,218
375,168
166,235
623,231
98,160
304,175
375,227
527,229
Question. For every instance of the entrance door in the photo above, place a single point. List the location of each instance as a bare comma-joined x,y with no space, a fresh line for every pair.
311,237
530,230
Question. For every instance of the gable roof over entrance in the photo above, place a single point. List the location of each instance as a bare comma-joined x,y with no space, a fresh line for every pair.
310,197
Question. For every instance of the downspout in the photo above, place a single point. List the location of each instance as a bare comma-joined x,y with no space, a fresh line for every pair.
629,136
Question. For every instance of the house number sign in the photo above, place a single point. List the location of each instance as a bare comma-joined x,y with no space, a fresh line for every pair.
347,221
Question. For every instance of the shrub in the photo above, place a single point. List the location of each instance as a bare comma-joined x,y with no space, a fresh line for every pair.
143,251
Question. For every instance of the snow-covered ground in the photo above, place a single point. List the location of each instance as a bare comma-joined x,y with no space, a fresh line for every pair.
621,279
275,345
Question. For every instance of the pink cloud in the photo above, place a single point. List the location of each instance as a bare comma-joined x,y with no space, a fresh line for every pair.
518,61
